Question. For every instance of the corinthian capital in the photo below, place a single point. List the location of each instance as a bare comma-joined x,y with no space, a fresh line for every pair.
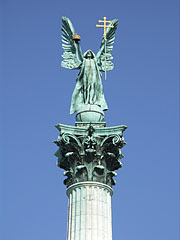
90,153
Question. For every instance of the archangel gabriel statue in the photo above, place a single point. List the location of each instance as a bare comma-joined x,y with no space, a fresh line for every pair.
88,90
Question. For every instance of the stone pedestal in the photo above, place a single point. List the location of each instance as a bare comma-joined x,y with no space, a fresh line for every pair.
89,211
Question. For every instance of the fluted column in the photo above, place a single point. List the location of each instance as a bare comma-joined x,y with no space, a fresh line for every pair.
89,211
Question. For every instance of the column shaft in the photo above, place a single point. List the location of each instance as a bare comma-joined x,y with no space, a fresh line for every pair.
89,212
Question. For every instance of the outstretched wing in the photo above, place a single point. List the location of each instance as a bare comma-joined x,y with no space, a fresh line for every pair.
104,60
70,54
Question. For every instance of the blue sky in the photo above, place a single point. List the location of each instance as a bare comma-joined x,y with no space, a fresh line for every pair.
142,92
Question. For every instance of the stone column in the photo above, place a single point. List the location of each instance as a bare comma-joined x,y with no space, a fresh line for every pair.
89,211
90,154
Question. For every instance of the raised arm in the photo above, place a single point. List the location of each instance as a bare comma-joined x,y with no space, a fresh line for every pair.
70,54
79,51
100,50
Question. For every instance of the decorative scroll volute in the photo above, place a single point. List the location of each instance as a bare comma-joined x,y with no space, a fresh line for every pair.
86,155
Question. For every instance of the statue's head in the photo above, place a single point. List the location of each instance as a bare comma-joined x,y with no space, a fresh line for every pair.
89,54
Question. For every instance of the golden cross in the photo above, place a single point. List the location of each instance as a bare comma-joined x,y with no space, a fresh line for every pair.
104,26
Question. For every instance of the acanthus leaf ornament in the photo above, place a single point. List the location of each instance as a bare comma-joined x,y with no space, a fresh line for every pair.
86,156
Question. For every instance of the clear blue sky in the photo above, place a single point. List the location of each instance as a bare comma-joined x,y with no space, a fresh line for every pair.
142,92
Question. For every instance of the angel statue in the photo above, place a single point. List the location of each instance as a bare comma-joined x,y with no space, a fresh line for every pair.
88,89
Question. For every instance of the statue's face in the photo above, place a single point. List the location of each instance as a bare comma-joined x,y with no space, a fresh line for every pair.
89,54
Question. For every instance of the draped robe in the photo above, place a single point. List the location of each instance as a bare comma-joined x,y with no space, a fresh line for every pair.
88,89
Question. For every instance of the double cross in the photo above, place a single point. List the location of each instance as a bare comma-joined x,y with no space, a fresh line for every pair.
104,26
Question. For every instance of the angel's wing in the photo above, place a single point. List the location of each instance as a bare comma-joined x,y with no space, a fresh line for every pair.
70,54
104,60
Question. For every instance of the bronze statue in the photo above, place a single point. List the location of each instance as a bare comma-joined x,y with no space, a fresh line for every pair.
88,89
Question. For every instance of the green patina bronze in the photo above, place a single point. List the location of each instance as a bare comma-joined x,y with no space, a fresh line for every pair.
89,151
88,89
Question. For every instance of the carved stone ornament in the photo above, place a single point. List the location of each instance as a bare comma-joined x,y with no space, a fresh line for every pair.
90,153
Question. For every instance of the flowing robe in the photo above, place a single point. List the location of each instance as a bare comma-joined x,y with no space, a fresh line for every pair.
88,89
